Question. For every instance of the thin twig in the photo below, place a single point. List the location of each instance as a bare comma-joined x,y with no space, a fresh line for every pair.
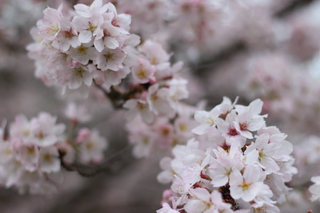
114,96
114,163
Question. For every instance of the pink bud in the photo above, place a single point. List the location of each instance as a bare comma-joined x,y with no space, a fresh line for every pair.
16,144
144,95
167,194
83,135
152,80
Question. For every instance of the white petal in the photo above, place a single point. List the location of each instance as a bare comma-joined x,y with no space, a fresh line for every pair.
85,36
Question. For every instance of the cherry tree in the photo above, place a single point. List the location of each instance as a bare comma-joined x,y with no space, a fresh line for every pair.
225,93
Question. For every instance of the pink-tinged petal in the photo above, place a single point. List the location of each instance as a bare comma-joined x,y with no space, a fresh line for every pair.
252,192
270,165
219,180
74,83
134,40
130,104
74,42
256,106
283,149
195,206
201,116
236,191
87,78
246,134
49,160
96,4
201,194
252,156
98,77
80,23
85,36
82,10
111,43
256,124
147,116
235,178
262,140
103,9
165,177
112,8
98,44
201,129
252,173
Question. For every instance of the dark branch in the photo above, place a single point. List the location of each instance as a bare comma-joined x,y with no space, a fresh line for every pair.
118,98
292,7
73,2
111,165
114,95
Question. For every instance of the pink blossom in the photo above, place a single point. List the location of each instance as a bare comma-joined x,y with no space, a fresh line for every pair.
143,71
136,107
88,27
96,7
248,185
92,147
110,59
50,25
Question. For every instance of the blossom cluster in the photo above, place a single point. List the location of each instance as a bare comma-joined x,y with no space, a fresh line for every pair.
307,159
30,153
315,188
157,101
234,162
199,20
175,17
33,151
88,146
286,90
237,163
74,47
148,16
163,87
162,134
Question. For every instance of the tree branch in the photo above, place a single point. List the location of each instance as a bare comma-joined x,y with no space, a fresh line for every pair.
111,165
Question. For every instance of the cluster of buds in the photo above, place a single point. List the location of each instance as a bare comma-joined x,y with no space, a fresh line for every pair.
72,48
236,164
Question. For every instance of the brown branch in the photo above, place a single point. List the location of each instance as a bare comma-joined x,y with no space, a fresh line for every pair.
292,7
118,98
114,95
73,2
210,62
225,192
111,165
